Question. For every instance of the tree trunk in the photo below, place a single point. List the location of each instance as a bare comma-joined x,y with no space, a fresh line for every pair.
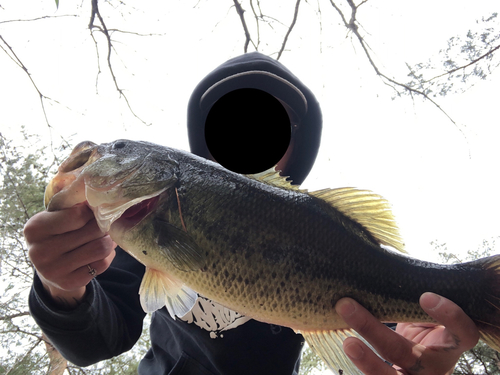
57,363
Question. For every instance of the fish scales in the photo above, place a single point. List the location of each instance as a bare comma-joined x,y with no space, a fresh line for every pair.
261,247
293,252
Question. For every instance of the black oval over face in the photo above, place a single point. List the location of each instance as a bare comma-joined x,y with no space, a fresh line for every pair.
247,131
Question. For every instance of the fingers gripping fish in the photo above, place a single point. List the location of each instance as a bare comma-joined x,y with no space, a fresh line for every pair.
262,247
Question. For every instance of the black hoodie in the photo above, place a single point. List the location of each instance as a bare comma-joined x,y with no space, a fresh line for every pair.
257,71
210,339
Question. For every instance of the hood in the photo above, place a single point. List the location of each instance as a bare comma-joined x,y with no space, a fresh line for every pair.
257,71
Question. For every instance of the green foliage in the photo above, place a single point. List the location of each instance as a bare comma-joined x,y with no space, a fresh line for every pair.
24,172
310,362
466,60
22,181
23,177
481,359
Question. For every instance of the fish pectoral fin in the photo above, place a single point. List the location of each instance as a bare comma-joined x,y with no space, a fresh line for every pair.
328,346
158,289
368,209
178,246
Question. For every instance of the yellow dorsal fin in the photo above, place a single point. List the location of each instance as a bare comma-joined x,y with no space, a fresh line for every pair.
272,177
368,209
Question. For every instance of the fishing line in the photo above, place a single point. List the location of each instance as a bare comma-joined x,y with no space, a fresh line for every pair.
180,211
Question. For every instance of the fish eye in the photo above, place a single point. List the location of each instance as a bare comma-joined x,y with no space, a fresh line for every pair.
119,144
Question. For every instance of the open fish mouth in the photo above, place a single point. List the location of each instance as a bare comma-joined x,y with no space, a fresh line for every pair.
111,184
135,214
131,213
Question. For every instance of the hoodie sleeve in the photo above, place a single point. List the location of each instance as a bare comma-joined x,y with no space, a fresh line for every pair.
107,323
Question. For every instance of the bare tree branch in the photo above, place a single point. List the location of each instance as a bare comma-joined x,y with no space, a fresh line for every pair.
18,62
133,33
487,54
241,12
257,23
13,56
57,362
353,27
98,62
296,13
9,317
20,200
29,276
320,18
104,30
28,352
38,18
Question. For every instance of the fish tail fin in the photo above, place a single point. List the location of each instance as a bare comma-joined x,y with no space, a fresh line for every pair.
488,321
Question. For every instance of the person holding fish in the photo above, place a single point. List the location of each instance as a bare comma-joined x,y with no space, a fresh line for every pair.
240,268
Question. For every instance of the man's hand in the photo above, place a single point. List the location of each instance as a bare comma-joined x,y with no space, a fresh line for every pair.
413,348
62,246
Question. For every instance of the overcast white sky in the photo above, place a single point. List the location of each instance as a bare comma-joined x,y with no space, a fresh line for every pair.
441,178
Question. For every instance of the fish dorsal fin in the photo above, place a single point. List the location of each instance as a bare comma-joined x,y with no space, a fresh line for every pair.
272,177
368,209
158,289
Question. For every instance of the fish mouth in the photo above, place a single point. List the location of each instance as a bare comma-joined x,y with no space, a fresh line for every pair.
128,213
138,212
83,154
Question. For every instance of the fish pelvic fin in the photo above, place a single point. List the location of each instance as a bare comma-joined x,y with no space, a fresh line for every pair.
328,346
369,210
158,289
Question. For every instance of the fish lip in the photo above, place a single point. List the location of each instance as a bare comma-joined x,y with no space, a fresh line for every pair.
83,154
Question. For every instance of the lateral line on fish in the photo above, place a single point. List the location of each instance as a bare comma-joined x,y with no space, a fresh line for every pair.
180,211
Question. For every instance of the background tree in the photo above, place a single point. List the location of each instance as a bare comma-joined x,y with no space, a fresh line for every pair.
24,173
473,55
481,359
310,363
465,60
112,27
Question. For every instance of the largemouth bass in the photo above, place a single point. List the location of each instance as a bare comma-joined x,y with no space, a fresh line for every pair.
262,247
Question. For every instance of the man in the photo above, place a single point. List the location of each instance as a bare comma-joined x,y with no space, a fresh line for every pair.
85,293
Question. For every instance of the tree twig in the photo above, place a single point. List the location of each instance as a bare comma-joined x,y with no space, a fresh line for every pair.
104,30
257,23
241,12
18,62
38,18
295,14
9,317
24,356
353,27
489,53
